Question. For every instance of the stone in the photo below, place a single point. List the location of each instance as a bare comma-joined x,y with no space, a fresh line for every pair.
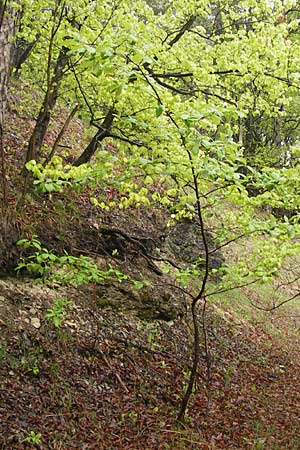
185,243
35,322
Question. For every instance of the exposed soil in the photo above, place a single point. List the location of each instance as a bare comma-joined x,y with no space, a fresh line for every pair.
106,380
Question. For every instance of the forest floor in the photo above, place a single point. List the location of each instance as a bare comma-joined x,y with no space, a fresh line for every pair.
107,380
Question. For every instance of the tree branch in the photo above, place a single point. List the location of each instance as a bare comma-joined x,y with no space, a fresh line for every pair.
182,30
172,75
157,77
129,141
102,133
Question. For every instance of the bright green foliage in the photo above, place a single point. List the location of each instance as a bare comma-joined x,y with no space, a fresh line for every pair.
57,313
55,175
33,438
199,103
66,269
203,94
250,64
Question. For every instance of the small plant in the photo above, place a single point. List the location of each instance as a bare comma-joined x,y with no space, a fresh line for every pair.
41,261
58,312
140,284
33,438
186,376
65,269
3,352
30,361
229,372
34,369
133,416
259,444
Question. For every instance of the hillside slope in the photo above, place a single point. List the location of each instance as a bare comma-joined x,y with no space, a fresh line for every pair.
102,363
107,380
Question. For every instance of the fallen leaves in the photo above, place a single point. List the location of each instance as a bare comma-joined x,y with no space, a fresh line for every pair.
98,382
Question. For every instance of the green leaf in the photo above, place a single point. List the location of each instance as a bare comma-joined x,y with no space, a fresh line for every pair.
159,110
138,285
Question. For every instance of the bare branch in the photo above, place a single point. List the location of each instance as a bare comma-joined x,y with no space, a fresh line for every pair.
213,94
166,85
182,30
62,132
81,90
261,308
238,286
172,75
129,141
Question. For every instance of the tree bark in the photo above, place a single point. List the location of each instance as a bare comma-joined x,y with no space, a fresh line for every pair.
8,22
62,132
102,133
21,52
42,122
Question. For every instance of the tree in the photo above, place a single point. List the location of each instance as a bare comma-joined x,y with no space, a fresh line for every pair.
243,63
189,97
8,24
54,74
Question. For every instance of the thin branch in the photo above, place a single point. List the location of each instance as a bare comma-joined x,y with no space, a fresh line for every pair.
179,288
212,94
236,238
129,141
238,286
236,72
199,296
4,202
82,91
172,75
273,308
54,30
167,85
207,38
182,30
284,80
62,132
226,72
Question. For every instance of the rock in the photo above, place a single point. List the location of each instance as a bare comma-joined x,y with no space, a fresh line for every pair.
35,322
163,304
281,213
149,303
185,243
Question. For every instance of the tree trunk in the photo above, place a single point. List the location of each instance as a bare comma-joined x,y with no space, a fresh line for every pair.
62,132
21,52
102,133
41,126
8,22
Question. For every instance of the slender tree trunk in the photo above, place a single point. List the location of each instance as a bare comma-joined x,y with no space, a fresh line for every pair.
62,132
21,52
102,133
41,126
200,296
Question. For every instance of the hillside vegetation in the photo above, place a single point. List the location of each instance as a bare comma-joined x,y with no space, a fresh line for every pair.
149,231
